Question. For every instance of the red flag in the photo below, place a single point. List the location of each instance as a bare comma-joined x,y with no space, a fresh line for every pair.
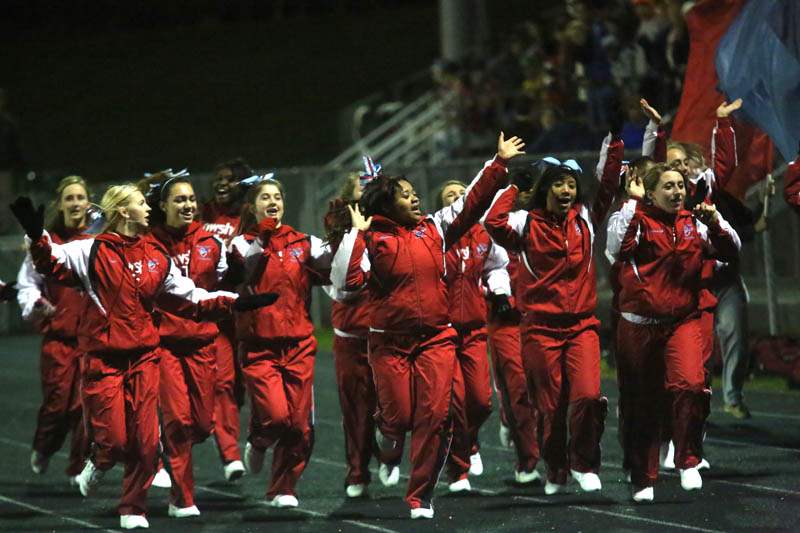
707,22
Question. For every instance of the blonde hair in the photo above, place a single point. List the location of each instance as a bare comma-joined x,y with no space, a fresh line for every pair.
115,197
55,218
347,192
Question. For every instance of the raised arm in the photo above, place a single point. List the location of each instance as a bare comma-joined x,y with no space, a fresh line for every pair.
504,226
654,144
723,144
623,232
456,219
722,241
608,170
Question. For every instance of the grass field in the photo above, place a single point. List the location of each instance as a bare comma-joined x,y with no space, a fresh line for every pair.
753,484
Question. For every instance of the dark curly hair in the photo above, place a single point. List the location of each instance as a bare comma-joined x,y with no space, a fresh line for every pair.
551,175
156,189
379,194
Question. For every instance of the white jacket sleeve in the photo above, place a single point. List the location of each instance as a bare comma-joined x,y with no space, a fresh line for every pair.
495,271
29,284
617,228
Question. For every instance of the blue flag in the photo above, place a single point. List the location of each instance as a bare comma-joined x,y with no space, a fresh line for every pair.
758,60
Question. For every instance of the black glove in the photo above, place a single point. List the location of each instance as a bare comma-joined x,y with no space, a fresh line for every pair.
502,308
8,292
700,191
523,179
30,218
248,302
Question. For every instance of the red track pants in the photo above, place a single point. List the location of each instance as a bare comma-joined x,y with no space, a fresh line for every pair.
520,414
61,411
279,378
358,401
564,365
414,379
120,397
187,408
472,399
661,369
226,409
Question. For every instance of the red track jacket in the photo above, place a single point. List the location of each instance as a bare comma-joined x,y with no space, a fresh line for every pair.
123,278
222,222
404,267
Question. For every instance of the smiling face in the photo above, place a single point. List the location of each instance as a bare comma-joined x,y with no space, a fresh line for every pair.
669,192
678,161
73,204
268,203
223,187
180,207
136,212
451,193
405,209
561,195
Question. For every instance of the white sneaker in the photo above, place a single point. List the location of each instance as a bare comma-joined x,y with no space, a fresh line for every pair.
475,465
233,471
505,437
283,501
422,512
554,488
162,480
356,490
462,485
703,465
253,459
523,478
183,512
642,495
690,479
133,521
666,456
389,475
88,480
589,481
39,462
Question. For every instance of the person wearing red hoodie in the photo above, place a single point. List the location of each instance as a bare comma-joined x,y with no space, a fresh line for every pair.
124,274
52,307
278,346
222,216
350,313
399,255
473,266
557,295
662,248
188,360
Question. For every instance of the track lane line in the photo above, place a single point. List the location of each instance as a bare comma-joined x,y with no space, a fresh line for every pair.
47,512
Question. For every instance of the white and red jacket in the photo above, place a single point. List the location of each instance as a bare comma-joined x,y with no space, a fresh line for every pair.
39,297
123,277
289,264
200,256
222,221
474,265
404,267
662,257
557,279
791,185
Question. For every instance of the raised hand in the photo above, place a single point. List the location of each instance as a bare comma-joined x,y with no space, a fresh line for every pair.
357,219
30,218
248,302
508,149
706,213
650,112
634,186
725,109
266,228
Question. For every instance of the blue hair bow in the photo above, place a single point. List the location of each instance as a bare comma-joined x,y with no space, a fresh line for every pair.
255,179
371,171
569,163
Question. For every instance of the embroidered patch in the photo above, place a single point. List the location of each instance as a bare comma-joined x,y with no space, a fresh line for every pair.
419,233
152,264
203,251
481,249
687,230
297,253
578,228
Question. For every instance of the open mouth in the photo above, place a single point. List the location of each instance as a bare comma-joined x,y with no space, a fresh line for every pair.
565,201
271,212
188,214
676,201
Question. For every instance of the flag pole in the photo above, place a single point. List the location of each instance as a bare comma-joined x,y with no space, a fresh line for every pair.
769,267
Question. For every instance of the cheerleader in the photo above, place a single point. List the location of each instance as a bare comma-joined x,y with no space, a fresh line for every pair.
399,255
54,309
277,346
557,294
123,273
221,216
357,396
188,360
472,264
662,248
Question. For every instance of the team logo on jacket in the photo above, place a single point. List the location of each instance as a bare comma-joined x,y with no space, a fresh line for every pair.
202,251
578,228
296,253
152,264
419,233
687,231
481,249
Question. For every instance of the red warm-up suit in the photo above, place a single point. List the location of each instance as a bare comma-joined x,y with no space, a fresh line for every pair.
188,361
791,188
223,221
278,347
123,278
411,341
470,263
660,335
61,411
557,293
517,401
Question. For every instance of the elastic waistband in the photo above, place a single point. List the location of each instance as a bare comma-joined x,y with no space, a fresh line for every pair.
346,335
646,320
